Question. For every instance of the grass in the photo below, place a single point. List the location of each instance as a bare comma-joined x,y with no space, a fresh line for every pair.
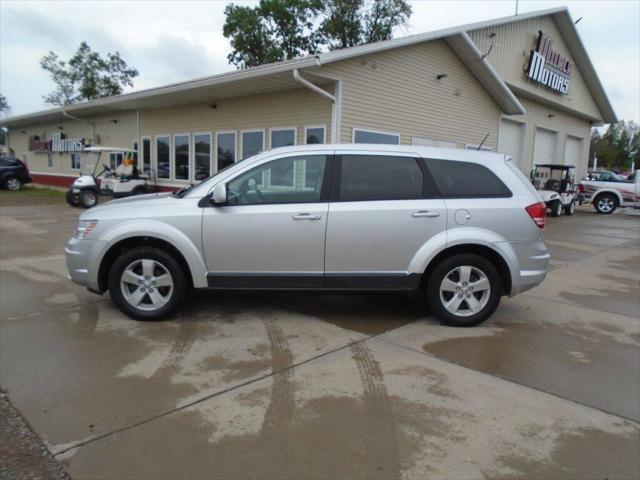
29,195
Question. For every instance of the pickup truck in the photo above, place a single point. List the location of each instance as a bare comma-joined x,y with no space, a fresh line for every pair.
606,195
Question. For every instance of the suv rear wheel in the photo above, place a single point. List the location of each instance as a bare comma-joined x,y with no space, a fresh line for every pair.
12,183
147,283
605,203
464,290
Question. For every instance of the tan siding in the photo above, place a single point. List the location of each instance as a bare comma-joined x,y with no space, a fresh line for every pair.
120,134
513,43
294,108
397,91
538,116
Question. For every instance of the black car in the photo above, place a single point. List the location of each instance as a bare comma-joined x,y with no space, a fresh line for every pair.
13,173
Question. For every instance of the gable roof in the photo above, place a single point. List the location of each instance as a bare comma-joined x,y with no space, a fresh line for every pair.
275,76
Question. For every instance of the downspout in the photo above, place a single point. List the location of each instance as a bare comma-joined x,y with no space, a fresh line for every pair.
334,108
93,126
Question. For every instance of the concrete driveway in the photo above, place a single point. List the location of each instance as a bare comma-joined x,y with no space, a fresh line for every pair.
330,386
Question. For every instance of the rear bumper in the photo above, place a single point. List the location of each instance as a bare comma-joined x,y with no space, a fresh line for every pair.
533,265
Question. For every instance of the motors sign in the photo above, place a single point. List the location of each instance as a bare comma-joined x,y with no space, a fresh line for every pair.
548,67
58,143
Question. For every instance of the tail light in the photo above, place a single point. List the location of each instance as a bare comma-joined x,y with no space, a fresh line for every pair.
538,213
580,188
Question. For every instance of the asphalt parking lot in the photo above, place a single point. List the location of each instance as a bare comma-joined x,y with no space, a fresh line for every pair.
329,386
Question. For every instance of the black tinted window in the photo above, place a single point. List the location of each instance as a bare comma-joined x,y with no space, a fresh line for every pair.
462,179
374,177
8,162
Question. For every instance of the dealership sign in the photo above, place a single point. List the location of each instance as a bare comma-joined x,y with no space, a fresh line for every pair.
58,143
548,67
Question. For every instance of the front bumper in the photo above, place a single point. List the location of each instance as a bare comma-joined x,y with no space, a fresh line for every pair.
82,267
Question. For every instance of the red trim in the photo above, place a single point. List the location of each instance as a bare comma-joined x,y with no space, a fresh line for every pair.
52,180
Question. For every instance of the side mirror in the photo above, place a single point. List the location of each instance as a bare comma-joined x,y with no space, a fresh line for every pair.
219,194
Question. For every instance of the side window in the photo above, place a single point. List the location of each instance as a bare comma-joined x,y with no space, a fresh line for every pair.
465,180
380,177
285,180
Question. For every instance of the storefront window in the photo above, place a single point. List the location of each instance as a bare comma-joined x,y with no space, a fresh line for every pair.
75,161
181,157
252,143
146,155
283,138
314,135
202,148
226,149
163,150
115,159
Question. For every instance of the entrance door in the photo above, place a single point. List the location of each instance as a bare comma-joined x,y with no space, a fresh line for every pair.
511,141
271,232
544,147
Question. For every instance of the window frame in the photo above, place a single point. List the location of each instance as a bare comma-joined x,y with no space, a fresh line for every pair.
192,172
172,155
325,190
154,158
428,184
324,134
254,130
142,152
445,196
235,146
72,155
283,129
379,132
50,160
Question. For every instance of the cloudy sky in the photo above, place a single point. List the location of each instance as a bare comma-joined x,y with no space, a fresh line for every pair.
169,41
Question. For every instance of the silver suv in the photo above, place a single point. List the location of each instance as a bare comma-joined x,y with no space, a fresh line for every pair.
464,227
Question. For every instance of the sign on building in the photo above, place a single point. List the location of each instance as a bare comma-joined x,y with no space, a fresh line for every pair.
58,143
548,67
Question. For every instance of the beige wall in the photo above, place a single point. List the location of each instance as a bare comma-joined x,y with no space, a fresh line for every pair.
120,134
538,115
512,45
397,91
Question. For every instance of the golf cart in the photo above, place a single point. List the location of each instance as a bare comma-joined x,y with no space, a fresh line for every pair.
556,184
123,182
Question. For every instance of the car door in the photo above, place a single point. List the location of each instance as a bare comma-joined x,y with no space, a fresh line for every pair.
383,209
271,231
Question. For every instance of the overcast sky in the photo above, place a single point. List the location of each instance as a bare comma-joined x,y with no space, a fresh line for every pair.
169,41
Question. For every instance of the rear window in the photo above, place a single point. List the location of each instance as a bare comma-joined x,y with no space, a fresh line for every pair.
380,177
465,180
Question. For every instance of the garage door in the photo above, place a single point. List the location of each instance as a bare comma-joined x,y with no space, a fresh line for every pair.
573,151
544,146
511,141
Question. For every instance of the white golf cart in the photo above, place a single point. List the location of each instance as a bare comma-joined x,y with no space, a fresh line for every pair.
556,184
123,182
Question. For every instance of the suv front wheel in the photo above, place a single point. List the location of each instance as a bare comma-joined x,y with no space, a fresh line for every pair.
147,283
464,290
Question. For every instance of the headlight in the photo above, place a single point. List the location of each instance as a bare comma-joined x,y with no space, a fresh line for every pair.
84,228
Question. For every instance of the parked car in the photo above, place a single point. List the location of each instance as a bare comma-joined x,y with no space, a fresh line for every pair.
13,173
607,195
462,227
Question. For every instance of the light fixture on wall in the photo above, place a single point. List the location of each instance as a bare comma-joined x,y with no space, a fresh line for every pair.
114,120
440,76
551,115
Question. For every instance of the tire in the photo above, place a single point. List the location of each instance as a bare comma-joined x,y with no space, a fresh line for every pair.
12,183
556,208
88,199
137,300
605,203
570,209
440,293
71,199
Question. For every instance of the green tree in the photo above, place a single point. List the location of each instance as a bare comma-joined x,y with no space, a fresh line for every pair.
86,76
5,109
282,29
617,147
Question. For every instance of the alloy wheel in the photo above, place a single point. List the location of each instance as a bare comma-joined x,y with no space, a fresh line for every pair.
465,291
13,184
605,204
146,284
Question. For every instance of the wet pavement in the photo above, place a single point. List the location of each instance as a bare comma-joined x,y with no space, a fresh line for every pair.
329,386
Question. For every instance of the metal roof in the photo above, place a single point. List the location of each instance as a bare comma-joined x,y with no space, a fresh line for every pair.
277,76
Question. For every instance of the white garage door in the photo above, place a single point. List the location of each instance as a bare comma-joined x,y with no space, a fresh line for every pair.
573,151
511,141
544,146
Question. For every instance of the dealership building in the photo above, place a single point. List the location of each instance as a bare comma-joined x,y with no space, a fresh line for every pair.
521,85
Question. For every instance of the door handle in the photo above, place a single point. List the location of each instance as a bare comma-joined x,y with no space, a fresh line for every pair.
425,213
306,216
